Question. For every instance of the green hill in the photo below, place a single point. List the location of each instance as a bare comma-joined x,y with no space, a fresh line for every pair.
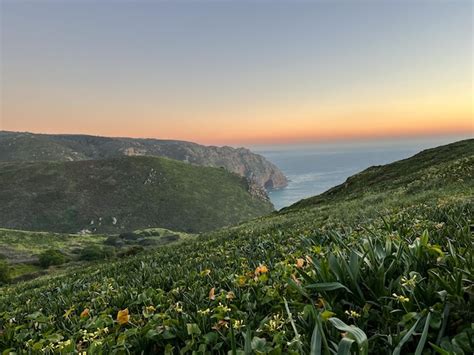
428,170
116,195
16,146
383,270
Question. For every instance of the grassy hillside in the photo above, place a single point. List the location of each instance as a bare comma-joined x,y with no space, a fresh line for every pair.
123,194
428,170
382,271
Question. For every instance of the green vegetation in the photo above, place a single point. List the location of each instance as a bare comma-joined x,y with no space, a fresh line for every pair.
22,250
4,272
427,171
16,146
112,196
51,257
93,253
385,270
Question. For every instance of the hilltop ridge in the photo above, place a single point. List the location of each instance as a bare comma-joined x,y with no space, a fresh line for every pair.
23,146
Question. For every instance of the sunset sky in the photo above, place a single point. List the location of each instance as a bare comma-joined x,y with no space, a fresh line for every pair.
228,72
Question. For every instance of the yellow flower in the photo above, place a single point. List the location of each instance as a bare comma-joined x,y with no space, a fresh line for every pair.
299,263
401,298
85,313
411,282
212,294
352,314
238,324
241,280
204,311
150,309
178,307
261,269
123,316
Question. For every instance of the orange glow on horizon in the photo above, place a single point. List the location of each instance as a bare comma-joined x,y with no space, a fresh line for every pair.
289,122
361,132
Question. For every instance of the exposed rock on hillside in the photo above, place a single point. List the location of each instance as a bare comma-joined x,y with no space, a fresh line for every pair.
41,147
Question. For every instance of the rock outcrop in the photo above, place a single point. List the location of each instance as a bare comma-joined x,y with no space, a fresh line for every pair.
44,147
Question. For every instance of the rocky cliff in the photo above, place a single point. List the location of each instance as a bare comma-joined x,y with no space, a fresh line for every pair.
42,147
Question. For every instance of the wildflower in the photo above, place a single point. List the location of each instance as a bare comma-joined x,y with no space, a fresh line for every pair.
401,298
276,322
212,296
411,282
230,295
150,309
123,316
352,314
178,308
299,263
238,324
261,269
222,308
204,311
85,313
241,280
439,225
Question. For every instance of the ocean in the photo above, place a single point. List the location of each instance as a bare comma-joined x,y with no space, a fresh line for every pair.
314,168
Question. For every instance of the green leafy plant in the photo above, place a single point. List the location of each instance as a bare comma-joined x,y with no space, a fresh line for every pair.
51,257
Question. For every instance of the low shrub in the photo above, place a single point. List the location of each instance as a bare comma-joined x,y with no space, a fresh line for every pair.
51,257
4,272
91,253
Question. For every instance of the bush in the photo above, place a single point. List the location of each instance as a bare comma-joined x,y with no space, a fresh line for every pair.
131,251
4,272
149,242
91,253
129,236
169,238
114,241
51,257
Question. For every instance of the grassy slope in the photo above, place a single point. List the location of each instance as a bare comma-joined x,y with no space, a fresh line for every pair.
356,252
140,192
428,170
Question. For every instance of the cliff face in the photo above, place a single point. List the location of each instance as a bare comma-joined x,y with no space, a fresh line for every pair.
39,147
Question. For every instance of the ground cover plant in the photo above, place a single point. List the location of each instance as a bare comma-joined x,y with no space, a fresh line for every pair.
385,271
